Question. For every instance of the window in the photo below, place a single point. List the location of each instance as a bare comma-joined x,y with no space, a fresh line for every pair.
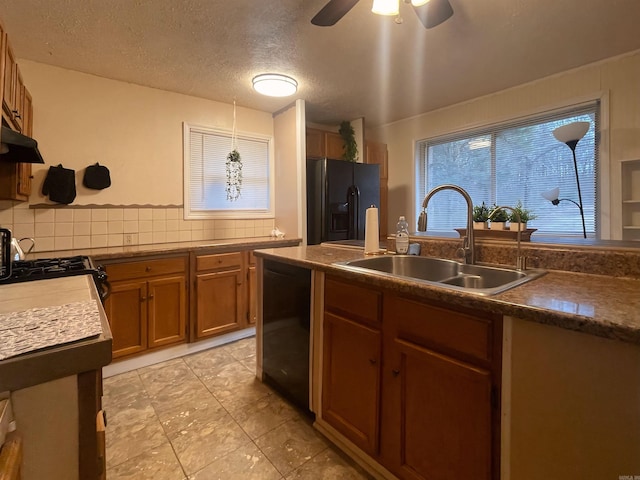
205,178
513,162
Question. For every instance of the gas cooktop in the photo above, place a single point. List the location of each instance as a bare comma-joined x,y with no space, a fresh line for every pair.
25,270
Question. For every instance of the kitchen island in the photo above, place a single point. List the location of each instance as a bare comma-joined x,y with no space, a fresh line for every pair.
55,390
567,375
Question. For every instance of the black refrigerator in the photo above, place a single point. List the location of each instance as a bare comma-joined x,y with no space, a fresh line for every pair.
338,195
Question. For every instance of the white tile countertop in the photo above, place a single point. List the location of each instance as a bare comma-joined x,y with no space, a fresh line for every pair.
36,328
79,340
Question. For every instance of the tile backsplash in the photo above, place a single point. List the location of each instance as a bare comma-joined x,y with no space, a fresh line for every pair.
66,228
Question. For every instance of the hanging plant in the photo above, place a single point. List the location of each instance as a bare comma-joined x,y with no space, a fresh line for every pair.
234,175
350,146
234,165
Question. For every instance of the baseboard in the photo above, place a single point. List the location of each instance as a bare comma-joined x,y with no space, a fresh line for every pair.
170,353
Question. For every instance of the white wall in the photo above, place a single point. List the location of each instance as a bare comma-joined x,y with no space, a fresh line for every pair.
290,194
617,79
570,404
136,132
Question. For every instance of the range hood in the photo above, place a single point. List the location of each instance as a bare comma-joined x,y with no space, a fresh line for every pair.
15,147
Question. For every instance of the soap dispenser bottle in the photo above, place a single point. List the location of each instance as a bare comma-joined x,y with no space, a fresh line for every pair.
402,236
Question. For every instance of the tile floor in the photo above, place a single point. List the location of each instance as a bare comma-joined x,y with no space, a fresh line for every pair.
206,416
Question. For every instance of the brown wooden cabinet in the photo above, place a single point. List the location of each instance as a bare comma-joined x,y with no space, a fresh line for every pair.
220,304
414,385
147,307
440,391
323,143
3,62
17,112
92,452
12,96
352,362
376,153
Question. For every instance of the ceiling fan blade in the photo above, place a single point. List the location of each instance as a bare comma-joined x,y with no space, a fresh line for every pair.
434,12
332,12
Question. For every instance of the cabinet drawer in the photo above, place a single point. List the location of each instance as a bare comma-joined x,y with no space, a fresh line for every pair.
440,329
357,302
147,268
218,261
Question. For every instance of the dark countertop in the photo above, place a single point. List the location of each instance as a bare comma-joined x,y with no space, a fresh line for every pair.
57,361
598,305
235,244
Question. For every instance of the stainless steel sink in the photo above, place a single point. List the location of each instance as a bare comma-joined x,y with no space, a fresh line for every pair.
477,279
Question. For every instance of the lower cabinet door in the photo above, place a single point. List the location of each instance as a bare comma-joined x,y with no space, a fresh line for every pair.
126,309
167,309
437,413
351,380
220,306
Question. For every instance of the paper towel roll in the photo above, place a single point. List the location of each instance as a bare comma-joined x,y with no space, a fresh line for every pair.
371,232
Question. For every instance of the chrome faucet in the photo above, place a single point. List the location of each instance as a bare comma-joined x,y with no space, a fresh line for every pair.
521,262
468,242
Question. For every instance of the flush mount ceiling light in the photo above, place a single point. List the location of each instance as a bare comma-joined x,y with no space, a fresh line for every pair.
275,85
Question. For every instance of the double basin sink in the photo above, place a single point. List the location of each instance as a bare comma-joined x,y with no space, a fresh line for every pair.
477,279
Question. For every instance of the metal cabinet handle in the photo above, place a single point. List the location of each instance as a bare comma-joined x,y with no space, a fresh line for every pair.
373,361
150,297
147,269
16,113
395,372
143,299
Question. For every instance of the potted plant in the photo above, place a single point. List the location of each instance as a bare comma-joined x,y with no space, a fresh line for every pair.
524,215
347,133
480,216
499,218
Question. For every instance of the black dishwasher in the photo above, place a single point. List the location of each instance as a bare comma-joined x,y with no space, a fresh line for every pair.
286,314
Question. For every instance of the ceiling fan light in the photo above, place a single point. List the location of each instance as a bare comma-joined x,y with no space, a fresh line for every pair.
419,3
275,85
386,7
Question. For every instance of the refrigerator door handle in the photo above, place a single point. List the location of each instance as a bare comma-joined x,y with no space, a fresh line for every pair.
353,194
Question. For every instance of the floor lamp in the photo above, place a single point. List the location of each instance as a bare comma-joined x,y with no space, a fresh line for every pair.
570,135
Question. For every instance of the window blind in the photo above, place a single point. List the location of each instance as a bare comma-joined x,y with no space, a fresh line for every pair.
206,174
511,162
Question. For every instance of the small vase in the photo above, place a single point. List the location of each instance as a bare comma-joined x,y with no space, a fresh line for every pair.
497,225
513,226
480,226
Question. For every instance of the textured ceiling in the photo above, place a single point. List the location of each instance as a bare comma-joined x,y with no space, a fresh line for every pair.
364,66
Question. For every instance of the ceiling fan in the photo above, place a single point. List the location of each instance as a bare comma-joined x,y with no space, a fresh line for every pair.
430,12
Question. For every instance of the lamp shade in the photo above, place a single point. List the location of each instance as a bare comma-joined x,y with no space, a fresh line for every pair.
571,132
386,7
274,85
552,194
